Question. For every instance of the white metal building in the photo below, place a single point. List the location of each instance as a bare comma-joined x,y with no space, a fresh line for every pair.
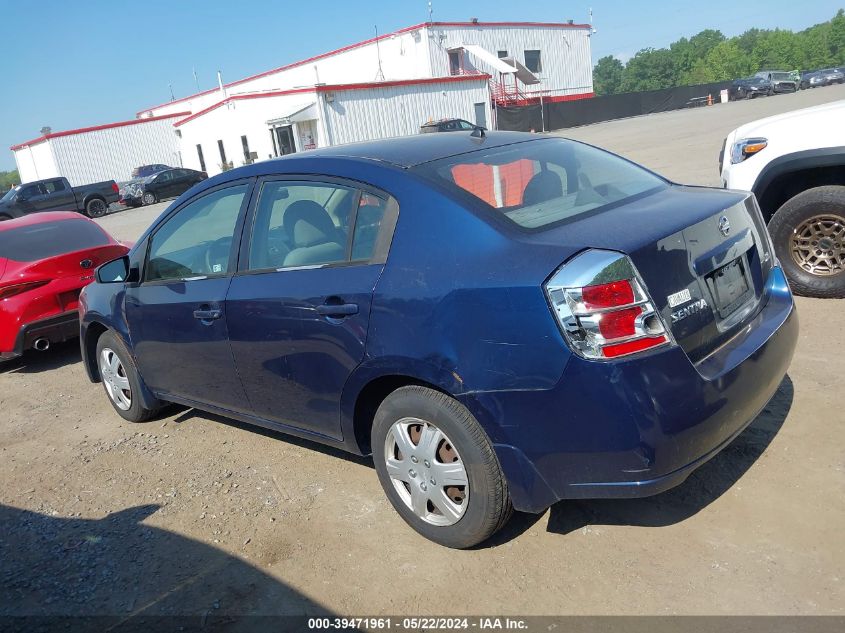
103,152
267,124
385,86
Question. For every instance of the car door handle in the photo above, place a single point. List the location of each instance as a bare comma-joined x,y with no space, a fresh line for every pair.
208,315
337,310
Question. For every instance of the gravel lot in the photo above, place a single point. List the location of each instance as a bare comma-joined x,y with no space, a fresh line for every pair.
195,514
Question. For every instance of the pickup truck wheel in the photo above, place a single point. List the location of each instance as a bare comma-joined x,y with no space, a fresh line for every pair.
96,208
120,378
149,198
438,468
808,232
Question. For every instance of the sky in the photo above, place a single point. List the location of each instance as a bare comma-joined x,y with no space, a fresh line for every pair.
74,63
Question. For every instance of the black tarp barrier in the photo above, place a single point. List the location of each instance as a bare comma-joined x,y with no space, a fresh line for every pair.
564,114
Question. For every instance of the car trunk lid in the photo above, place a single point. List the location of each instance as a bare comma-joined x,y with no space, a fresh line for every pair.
703,255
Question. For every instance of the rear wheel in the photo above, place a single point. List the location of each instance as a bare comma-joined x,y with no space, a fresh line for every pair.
808,232
438,468
120,379
148,198
96,208
4,217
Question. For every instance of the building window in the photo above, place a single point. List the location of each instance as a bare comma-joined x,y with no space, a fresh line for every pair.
502,54
245,144
222,152
201,157
455,62
532,61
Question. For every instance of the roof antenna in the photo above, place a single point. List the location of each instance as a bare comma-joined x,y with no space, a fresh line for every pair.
430,12
380,73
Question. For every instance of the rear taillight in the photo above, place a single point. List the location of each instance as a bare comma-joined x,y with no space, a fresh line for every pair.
11,291
115,188
603,307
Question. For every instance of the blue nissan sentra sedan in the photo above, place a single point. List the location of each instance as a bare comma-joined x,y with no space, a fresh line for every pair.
502,320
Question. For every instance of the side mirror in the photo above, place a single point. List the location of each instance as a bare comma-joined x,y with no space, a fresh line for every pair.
117,271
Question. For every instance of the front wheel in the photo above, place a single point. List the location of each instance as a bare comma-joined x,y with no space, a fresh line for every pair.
148,198
120,379
96,208
438,468
808,233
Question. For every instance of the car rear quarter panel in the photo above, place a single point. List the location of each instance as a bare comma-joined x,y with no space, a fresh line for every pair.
459,305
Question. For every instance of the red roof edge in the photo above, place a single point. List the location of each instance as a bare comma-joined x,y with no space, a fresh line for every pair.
336,88
94,128
407,29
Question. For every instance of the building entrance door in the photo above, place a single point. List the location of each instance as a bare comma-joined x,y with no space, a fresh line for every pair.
284,140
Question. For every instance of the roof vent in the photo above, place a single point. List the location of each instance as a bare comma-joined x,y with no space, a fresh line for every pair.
46,130
475,20
570,21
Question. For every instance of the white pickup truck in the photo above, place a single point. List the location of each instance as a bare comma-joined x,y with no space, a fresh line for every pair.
795,165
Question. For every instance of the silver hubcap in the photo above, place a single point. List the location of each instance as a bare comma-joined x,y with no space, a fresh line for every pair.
115,379
149,198
426,471
818,245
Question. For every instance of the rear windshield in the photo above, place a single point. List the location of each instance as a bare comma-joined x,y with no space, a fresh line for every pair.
39,241
538,183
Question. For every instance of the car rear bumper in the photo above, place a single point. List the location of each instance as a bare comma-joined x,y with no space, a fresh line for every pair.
637,428
55,329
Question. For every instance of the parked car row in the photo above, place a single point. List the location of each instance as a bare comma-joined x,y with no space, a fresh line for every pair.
820,78
162,184
764,83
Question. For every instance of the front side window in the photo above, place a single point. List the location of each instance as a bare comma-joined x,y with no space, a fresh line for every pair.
30,192
198,240
532,61
539,183
304,223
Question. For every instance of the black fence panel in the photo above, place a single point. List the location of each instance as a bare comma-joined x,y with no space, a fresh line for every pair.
564,114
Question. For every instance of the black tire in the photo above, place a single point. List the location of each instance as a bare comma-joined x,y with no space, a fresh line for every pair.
96,208
148,197
4,217
136,412
489,506
827,201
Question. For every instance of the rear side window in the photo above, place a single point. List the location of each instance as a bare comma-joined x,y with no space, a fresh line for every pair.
40,241
52,186
538,183
305,223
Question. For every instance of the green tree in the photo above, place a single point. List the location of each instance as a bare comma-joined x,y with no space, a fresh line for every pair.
607,76
836,40
7,179
650,69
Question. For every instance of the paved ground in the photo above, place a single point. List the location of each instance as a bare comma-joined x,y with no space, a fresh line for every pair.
195,514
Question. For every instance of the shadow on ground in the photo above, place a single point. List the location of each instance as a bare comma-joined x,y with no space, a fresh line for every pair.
702,488
34,362
133,574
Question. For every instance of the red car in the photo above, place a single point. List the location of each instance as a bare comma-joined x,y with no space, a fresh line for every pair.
45,260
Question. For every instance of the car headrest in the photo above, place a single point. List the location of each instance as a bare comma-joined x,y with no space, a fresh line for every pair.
543,186
308,224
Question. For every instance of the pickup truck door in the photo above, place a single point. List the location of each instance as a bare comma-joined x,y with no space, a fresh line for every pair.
57,195
28,197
